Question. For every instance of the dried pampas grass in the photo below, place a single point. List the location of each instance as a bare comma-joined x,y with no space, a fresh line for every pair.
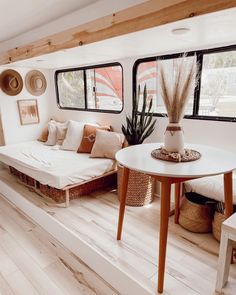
176,81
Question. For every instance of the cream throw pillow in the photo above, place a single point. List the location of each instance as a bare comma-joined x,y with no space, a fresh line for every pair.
44,135
73,136
107,144
61,134
52,131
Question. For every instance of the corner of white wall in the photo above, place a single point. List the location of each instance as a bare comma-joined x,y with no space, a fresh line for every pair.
13,131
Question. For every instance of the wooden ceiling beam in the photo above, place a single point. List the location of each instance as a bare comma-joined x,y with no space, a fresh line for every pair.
140,17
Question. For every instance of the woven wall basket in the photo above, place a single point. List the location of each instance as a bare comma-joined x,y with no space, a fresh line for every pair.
140,188
194,215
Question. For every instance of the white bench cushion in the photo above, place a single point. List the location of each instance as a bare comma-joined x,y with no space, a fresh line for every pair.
53,166
211,187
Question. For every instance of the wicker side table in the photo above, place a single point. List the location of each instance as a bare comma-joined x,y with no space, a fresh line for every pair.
140,188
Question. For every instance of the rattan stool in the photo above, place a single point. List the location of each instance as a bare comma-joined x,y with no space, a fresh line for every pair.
228,235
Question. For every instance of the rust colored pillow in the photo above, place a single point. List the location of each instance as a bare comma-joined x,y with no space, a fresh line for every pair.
44,135
89,136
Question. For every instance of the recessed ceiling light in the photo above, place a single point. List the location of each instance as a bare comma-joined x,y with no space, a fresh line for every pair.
180,31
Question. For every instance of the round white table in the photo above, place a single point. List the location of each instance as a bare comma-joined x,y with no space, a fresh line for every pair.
138,157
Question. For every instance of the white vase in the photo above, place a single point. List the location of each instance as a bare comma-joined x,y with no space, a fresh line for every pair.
174,138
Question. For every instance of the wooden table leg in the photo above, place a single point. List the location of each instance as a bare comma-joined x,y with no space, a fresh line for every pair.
124,186
228,191
164,218
178,187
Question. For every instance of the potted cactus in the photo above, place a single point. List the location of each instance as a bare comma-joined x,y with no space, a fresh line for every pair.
138,127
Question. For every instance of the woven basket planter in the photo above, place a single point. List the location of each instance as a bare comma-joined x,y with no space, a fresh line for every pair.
195,215
219,218
140,188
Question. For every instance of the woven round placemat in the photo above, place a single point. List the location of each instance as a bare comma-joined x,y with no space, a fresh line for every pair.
188,156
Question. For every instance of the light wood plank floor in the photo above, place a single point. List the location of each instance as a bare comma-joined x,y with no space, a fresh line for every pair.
27,265
191,258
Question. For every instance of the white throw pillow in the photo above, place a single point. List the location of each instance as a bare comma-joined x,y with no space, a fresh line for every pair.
52,131
107,144
73,136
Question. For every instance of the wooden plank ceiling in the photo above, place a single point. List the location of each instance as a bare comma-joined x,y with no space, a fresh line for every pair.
140,17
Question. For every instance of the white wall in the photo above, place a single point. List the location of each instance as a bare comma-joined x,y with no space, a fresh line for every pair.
218,134
213,133
13,131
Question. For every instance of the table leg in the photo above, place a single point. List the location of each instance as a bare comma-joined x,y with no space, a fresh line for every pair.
225,255
228,191
164,218
124,186
177,201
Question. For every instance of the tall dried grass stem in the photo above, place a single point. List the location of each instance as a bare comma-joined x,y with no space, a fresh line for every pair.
176,86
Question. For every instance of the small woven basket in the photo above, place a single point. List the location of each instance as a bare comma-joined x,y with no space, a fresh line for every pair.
195,214
140,188
219,218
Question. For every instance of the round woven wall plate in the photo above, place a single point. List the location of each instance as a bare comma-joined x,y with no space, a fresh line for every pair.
189,155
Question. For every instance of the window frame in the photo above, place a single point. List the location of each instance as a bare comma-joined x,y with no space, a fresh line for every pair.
57,72
196,102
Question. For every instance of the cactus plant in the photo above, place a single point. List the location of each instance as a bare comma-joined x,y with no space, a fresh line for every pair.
139,125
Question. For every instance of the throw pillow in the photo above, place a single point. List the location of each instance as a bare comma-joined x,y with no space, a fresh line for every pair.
107,144
73,136
89,135
61,134
44,135
52,131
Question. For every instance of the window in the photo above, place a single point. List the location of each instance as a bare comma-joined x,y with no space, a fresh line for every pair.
214,97
218,85
71,89
98,88
147,73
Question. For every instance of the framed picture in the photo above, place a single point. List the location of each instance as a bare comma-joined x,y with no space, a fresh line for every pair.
28,111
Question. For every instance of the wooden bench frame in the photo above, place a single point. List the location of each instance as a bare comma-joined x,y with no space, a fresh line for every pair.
93,184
